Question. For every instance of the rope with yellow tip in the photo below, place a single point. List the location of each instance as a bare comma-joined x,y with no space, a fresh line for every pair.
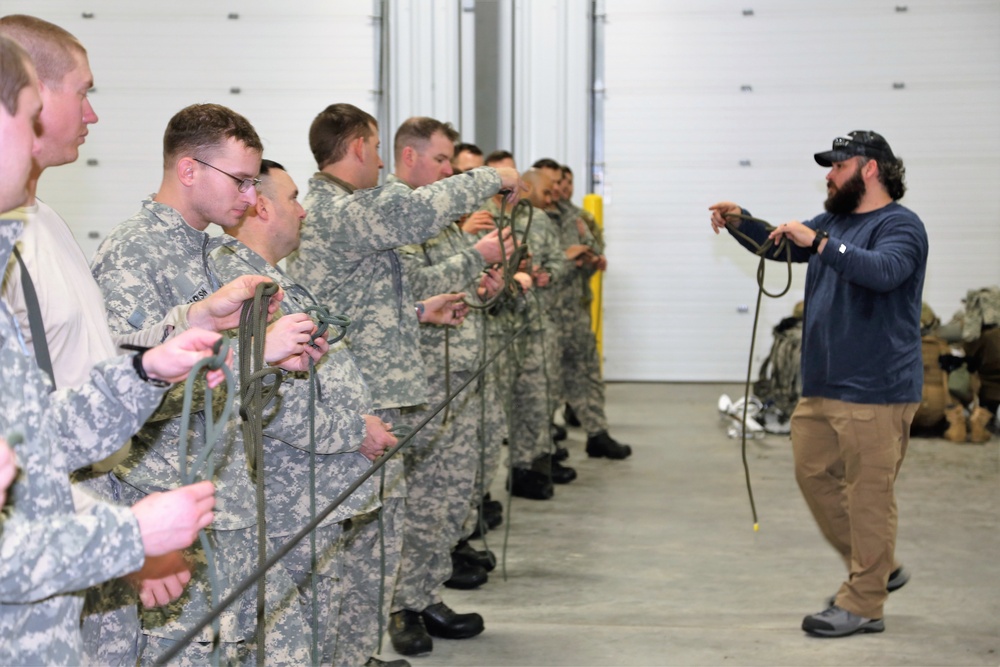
762,249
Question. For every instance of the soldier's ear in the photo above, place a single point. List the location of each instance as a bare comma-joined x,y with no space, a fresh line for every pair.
185,169
409,155
263,207
358,148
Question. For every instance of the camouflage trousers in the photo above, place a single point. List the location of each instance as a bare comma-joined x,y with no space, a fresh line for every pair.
533,379
493,425
286,638
322,574
582,384
441,463
370,546
110,624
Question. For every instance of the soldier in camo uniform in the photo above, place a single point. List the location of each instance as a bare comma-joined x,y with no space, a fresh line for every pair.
347,438
158,258
582,384
75,327
443,459
50,552
348,258
531,380
484,513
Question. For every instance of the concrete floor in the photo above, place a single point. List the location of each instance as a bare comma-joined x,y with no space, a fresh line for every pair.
654,561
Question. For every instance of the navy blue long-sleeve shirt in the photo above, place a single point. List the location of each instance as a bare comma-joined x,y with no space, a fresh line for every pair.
861,330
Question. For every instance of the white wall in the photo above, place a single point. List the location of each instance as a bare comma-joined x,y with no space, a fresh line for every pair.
679,125
152,59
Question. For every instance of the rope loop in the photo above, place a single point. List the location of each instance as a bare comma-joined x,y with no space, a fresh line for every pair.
324,320
203,467
508,265
762,249
255,394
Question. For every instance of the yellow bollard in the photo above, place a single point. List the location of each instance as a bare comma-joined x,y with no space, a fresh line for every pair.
594,204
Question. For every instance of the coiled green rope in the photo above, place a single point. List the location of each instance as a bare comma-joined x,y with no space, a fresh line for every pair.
510,264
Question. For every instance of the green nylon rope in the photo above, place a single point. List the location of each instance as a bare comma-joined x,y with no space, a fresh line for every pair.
321,315
483,440
508,401
508,264
203,466
761,251
254,397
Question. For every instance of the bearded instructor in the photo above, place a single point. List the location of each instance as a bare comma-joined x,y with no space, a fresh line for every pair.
862,370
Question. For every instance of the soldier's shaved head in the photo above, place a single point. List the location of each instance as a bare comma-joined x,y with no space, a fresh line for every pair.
540,187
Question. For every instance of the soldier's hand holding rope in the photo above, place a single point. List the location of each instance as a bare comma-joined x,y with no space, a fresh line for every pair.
489,284
172,360
289,344
378,438
523,280
447,309
490,246
798,233
162,579
220,311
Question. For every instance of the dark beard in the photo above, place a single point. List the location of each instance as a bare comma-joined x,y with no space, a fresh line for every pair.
845,200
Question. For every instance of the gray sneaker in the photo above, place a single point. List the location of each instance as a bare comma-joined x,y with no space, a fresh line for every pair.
897,580
836,622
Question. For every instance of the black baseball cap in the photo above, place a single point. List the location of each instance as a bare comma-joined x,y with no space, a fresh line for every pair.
859,143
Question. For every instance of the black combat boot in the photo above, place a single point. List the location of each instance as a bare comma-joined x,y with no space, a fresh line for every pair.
465,575
408,634
525,483
602,444
441,621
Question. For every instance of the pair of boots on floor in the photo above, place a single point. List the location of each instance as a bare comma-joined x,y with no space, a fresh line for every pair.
411,631
975,429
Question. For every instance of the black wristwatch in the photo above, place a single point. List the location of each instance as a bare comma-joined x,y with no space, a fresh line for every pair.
141,372
820,235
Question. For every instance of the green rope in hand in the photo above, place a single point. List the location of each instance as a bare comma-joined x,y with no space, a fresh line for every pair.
254,397
762,249
203,467
324,320
508,265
